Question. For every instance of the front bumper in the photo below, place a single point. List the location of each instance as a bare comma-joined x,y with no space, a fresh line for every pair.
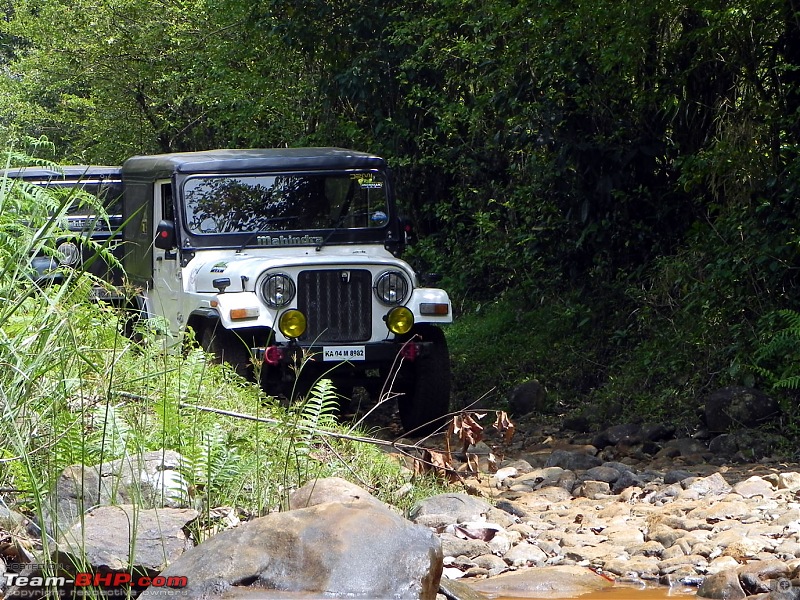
359,356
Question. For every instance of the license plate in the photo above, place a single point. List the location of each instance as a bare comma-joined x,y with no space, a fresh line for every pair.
343,353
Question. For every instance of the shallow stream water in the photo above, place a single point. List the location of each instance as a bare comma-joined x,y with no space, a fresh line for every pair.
621,592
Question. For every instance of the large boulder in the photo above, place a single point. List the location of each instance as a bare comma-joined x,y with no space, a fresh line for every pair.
353,549
738,407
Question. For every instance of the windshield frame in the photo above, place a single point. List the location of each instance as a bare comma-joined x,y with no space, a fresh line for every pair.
336,230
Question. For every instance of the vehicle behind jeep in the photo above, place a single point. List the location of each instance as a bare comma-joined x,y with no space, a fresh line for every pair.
83,223
278,258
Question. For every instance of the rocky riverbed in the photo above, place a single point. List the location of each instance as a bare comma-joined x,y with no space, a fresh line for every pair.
635,503
551,512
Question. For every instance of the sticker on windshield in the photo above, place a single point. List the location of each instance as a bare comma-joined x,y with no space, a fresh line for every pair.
368,181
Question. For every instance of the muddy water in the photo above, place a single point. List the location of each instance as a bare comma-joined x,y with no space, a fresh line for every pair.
620,592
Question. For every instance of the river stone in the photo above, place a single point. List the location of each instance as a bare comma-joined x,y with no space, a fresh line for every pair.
722,586
754,576
524,554
544,582
639,566
721,510
457,507
149,480
676,475
572,461
603,473
593,489
104,535
627,479
456,546
712,485
626,433
753,486
334,550
101,542
789,481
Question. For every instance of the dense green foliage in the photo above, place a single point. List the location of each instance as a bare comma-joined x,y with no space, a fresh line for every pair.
621,177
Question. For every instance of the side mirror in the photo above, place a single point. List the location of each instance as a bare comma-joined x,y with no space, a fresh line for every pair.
165,235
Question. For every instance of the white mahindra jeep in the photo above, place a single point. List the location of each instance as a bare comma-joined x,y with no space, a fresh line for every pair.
272,255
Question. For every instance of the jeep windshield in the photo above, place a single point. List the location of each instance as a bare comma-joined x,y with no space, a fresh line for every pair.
258,203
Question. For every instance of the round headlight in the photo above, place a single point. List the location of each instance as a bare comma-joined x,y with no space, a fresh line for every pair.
391,288
70,253
400,320
277,290
292,324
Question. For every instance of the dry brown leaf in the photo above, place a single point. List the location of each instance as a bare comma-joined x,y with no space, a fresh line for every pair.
436,463
468,430
504,425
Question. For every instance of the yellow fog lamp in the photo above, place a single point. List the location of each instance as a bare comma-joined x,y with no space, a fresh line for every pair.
292,324
400,320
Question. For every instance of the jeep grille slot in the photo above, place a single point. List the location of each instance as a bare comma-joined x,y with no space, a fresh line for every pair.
337,303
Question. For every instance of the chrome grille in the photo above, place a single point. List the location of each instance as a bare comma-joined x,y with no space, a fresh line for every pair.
337,304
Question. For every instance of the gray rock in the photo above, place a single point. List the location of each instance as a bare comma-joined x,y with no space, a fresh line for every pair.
456,507
626,480
722,586
724,444
676,476
525,554
522,466
149,480
593,489
627,433
572,461
753,486
333,549
738,406
602,473
636,566
685,447
112,541
103,535
526,398
459,546
713,485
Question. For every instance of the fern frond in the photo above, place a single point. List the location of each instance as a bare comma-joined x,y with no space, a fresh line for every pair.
320,406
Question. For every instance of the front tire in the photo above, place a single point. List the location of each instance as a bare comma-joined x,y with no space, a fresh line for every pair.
425,386
227,347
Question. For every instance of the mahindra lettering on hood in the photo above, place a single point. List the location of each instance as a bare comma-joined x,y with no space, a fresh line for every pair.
270,255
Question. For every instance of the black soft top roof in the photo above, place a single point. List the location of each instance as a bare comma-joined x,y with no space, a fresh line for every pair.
252,160
66,172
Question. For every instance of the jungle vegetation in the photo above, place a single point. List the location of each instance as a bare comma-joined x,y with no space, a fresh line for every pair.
609,188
